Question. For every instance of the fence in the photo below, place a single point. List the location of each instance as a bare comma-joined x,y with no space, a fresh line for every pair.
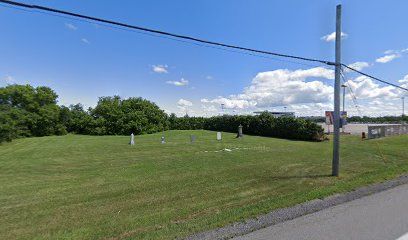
386,130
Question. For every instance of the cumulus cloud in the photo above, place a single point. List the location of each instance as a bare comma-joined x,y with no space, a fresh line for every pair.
404,80
208,108
183,106
184,103
364,87
308,93
381,107
160,68
387,58
182,82
404,84
230,103
332,36
358,66
84,40
71,26
280,87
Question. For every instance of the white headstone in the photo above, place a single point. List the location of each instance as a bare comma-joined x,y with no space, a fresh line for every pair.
132,139
219,137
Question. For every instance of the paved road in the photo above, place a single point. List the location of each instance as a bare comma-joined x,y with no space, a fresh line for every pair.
382,216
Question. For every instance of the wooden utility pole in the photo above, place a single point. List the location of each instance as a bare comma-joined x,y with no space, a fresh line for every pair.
336,130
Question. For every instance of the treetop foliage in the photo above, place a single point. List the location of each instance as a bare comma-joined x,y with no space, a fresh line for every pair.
27,111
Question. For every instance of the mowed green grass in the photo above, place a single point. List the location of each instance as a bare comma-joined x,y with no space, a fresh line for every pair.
93,187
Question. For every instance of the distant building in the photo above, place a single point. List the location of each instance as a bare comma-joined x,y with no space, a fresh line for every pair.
278,114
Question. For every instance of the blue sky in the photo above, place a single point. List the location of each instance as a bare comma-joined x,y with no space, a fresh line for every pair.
82,61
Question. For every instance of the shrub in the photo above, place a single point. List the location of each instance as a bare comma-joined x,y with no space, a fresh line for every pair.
261,125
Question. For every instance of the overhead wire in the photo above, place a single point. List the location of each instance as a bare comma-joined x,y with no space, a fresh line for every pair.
354,99
159,36
159,32
183,38
372,77
352,95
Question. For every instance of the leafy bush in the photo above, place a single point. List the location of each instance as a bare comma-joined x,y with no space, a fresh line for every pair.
116,116
261,125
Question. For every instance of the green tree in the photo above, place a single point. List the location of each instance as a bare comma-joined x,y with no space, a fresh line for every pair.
29,111
114,115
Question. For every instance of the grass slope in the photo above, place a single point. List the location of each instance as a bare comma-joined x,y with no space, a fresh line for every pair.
89,187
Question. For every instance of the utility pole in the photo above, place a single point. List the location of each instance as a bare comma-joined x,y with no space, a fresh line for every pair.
336,130
344,95
343,112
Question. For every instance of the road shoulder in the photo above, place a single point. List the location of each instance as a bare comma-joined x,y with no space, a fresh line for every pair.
285,214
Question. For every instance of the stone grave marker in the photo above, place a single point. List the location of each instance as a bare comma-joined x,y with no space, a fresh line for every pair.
219,137
132,139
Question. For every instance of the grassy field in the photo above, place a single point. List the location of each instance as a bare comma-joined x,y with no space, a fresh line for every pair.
88,187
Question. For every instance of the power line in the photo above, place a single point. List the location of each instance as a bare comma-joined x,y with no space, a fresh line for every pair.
159,36
47,9
377,79
187,39
353,96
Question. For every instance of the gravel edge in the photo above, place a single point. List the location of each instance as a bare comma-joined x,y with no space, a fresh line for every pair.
285,214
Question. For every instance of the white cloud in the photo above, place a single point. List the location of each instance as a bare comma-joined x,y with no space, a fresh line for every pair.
280,87
71,26
230,103
160,68
182,82
391,54
210,108
358,66
404,80
332,36
183,106
210,77
391,51
364,87
84,40
304,93
387,58
404,84
184,103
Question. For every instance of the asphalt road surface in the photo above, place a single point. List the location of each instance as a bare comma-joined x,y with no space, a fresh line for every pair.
382,216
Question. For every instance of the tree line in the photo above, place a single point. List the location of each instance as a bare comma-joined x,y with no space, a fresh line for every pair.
27,111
